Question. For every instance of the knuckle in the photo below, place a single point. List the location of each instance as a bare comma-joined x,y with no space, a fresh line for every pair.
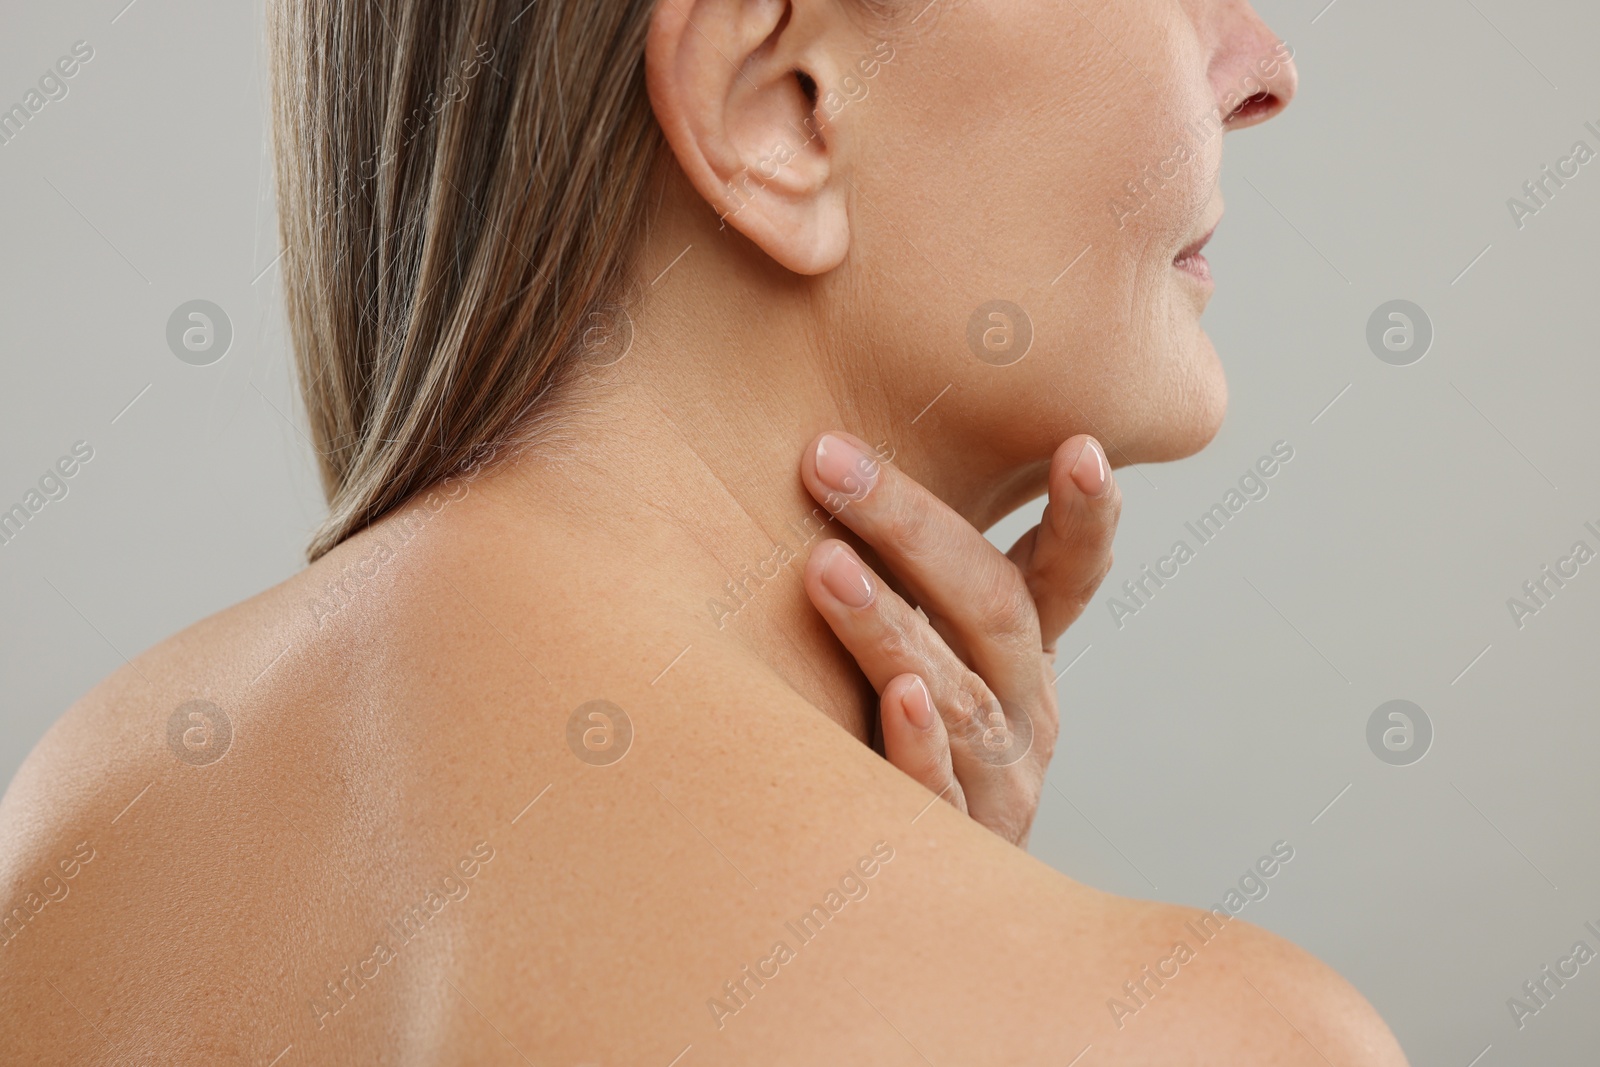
970,705
962,703
1006,608
906,526
897,643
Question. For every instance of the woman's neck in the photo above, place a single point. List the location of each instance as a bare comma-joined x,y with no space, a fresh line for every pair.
681,460
704,502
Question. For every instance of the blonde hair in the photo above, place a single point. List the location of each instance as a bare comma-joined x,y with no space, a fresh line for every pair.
460,183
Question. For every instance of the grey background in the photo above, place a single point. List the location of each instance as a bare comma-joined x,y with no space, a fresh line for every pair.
1223,717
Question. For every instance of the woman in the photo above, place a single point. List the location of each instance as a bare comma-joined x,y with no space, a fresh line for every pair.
663,360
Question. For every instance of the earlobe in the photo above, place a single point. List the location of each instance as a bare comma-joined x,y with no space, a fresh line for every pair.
734,85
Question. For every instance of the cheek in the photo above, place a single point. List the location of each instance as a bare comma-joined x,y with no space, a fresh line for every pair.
992,155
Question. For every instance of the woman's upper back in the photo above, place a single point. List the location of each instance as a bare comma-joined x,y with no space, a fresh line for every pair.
361,822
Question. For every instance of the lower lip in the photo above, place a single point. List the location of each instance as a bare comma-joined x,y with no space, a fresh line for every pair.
1196,266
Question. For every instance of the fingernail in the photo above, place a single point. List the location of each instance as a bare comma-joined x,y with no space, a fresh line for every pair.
1090,471
844,468
918,705
845,578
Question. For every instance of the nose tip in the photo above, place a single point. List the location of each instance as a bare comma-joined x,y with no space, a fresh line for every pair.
1290,75
1259,82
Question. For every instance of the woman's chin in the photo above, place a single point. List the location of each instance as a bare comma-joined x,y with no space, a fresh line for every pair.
1187,415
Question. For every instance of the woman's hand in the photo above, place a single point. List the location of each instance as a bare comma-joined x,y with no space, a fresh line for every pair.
966,694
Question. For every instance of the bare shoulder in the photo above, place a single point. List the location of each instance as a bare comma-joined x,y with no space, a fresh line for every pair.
811,904
141,846
782,895
1207,980
431,826
201,843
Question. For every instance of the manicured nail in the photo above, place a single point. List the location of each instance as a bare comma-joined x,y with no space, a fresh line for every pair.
1090,471
844,468
918,705
845,578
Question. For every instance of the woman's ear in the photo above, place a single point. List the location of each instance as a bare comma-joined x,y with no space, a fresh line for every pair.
734,85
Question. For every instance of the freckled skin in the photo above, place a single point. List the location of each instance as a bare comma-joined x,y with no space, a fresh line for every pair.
306,895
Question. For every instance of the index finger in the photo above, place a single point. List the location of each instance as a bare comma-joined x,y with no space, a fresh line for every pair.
1068,554
948,566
